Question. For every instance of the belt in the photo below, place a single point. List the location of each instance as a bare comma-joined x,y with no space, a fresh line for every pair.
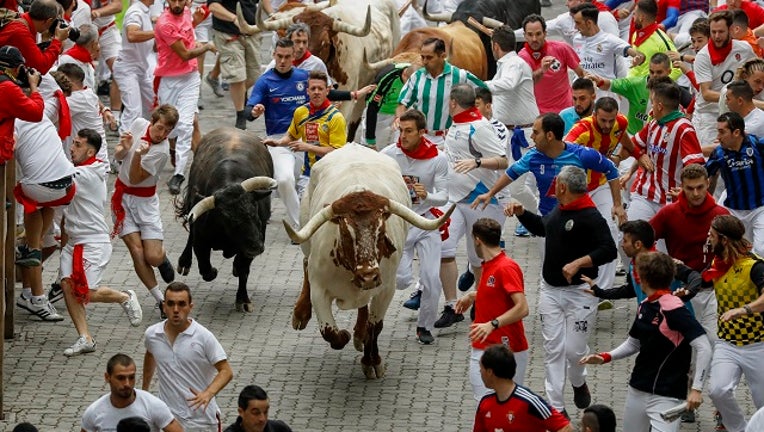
438,133
522,126
62,183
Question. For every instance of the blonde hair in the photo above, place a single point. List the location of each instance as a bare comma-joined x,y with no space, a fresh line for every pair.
749,67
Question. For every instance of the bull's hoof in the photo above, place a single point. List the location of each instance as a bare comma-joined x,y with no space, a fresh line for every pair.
183,268
234,272
208,277
358,344
374,371
337,340
300,318
248,307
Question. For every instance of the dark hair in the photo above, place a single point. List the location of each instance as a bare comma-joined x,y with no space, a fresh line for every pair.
504,36
118,359
603,415
42,10
734,121
488,231
318,75
177,287
700,25
693,171
648,7
416,116
662,59
739,17
551,122
607,104
535,18
484,94
668,93
73,72
656,270
284,43
249,393
741,88
440,46
133,424
92,138
167,112
499,359
641,231
25,427
583,84
722,15
589,12
654,81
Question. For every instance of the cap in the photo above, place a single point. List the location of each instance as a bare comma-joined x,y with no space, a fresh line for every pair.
11,57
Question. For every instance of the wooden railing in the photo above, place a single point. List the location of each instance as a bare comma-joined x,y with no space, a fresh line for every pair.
7,261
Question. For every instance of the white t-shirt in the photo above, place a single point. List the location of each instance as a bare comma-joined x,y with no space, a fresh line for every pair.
39,152
89,80
102,416
153,161
564,25
85,220
719,75
723,108
187,363
84,108
754,123
432,173
135,55
600,53
514,101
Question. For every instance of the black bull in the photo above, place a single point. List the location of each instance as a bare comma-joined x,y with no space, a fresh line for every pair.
220,212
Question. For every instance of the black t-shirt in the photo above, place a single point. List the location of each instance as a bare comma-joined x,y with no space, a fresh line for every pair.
271,426
248,8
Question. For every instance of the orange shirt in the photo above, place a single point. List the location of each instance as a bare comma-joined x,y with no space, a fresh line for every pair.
586,133
751,39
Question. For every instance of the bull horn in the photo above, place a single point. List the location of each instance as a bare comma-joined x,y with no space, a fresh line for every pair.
439,17
492,23
376,65
245,27
270,25
403,8
317,7
201,208
258,184
418,221
343,27
313,224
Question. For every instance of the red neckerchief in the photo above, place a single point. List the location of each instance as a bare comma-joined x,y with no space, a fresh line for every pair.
579,204
79,53
718,55
718,268
314,109
89,161
64,116
536,56
78,277
297,62
468,115
425,150
634,274
641,35
147,137
658,294
89,2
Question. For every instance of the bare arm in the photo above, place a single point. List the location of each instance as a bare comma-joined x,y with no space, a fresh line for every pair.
187,54
149,367
202,399
221,13
113,8
136,35
708,94
137,174
174,426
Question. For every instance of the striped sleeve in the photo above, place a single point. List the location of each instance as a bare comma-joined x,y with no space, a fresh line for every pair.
715,161
408,92
690,146
472,79
550,418
579,134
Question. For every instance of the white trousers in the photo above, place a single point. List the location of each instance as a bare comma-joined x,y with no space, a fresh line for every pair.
603,199
182,92
284,163
641,208
478,386
427,245
754,227
728,364
137,94
383,132
567,316
642,412
705,127
462,220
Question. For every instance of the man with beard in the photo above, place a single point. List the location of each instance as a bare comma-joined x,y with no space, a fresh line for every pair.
648,38
715,67
178,78
124,400
583,102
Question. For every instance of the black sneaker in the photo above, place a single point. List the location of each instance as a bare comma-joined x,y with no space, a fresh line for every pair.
166,270
688,417
424,336
56,293
448,318
174,184
26,257
414,301
466,280
241,120
582,397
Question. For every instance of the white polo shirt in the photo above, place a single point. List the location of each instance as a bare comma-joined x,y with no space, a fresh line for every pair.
514,102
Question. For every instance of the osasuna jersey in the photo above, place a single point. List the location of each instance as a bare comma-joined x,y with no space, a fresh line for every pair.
671,146
600,53
85,222
281,94
718,75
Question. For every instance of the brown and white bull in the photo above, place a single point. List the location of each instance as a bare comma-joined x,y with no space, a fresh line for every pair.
353,216
341,30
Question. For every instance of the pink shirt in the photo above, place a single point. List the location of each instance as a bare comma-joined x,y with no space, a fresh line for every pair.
553,92
169,29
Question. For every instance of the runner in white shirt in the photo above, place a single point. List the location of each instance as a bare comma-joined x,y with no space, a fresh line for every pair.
124,400
133,69
103,13
751,71
739,98
715,67
190,362
88,246
84,53
564,26
425,171
144,151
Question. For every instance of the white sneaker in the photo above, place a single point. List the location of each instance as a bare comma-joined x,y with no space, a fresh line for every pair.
132,308
44,310
82,346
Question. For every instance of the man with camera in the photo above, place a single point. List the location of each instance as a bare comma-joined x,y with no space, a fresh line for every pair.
43,16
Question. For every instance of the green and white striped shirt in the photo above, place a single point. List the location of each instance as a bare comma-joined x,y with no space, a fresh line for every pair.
430,94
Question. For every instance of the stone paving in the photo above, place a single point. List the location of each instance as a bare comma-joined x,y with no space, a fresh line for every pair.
311,386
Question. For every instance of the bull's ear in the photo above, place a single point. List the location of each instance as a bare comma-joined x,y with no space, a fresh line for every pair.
335,219
385,214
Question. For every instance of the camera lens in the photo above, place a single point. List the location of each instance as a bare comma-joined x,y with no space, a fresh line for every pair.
74,34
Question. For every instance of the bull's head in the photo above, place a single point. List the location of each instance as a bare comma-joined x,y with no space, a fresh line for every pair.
238,215
362,241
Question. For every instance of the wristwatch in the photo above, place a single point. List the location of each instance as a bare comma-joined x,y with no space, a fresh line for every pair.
495,324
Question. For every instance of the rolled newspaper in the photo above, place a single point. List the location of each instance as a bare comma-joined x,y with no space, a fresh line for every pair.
674,413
